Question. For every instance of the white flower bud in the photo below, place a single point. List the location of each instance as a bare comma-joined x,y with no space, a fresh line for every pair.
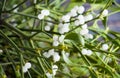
28,65
105,46
51,52
65,18
84,26
84,31
25,69
81,19
66,27
61,38
45,12
88,36
1,51
56,57
49,75
72,13
54,67
47,28
55,43
84,51
55,37
105,12
76,22
62,28
81,9
89,52
61,31
88,17
45,54
40,16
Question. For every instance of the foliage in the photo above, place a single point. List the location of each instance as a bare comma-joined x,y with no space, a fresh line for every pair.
39,39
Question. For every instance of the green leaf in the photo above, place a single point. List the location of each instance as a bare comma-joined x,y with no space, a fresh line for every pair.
66,59
80,71
105,69
72,4
82,40
1,71
104,21
92,59
75,38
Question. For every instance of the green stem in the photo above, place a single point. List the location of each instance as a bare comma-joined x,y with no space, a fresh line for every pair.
7,25
29,75
108,67
38,59
10,41
11,60
106,6
81,25
52,11
29,9
31,16
46,2
36,71
2,8
86,61
41,65
35,14
15,46
38,30
21,65
114,12
9,63
116,3
16,6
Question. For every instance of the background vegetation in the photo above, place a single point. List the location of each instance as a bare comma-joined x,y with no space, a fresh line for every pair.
23,39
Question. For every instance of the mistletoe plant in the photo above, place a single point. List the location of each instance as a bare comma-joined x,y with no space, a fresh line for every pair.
58,39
